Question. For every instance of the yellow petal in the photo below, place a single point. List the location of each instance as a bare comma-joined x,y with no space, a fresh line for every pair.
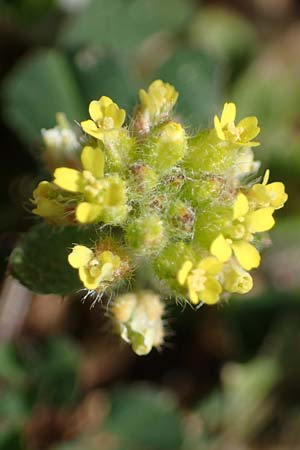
184,271
68,179
80,256
237,280
91,128
105,101
95,110
211,294
240,206
251,144
246,254
48,209
277,194
228,114
93,160
193,296
220,248
88,212
117,114
210,265
260,220
266,177
218,128
250,128
88,281
106,272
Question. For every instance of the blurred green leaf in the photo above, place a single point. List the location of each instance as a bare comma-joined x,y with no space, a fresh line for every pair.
27,10
53,371
257,93
13,407
11,369
11,439
143,417
40,261
197,77
223,33
247,390
40,86
100,75
123,25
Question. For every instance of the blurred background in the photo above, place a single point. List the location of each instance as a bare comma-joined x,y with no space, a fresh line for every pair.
228,376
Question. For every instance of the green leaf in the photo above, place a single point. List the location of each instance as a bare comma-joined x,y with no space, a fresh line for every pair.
223,33
10,367
40,260
106,76
40,86
145,418
124,25
54,370
196,76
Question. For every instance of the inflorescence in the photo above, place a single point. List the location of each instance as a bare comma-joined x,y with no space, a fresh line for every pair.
182,214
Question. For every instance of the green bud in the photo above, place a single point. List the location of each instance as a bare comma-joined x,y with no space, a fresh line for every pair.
143,178
181,218
207,187
174,181
165,147
211,219
169,261
146,234
207,154
115,209
119,149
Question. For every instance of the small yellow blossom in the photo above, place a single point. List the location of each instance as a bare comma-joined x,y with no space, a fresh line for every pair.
96,269
201,280
50,204
268,195
240,134
236,280
100,194
158,101
106,116
236,239
138,319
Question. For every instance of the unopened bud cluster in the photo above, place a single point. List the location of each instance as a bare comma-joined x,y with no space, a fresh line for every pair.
181,206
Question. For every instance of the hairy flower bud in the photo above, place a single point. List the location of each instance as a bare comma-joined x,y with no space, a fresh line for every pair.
138,320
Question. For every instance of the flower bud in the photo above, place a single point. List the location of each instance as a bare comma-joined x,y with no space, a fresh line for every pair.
165,148
146,234
138,320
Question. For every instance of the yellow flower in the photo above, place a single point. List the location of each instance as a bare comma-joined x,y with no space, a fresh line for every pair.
268,195
201,280
245,222
236,280
106,116
96,269
159,100
49,203
102,196
240,134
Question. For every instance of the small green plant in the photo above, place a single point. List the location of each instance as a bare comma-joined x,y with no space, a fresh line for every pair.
145,211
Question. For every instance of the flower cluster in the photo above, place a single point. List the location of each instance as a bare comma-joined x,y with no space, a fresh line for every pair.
167,206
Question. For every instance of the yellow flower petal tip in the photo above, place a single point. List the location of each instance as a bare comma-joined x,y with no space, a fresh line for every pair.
221,248
68,179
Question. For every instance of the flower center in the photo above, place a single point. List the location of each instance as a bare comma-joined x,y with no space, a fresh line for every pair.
197,280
